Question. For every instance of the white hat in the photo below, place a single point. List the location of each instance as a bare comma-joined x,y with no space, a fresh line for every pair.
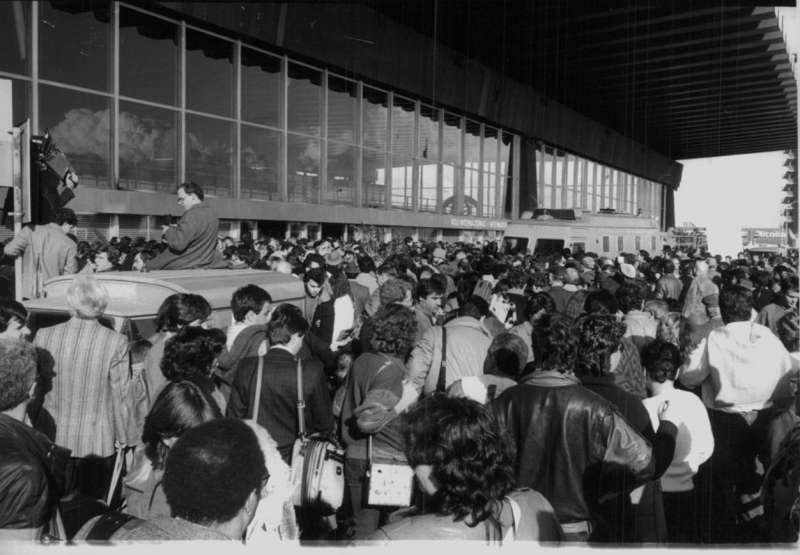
628,270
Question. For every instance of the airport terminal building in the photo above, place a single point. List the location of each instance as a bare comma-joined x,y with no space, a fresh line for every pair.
446,120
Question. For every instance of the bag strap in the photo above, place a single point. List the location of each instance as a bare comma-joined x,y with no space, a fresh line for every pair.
108,524
387,363
301,404
257,398
440,382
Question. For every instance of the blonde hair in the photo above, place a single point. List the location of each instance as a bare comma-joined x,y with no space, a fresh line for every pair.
87,297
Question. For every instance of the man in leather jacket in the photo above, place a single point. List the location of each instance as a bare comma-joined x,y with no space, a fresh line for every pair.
31,466
572,445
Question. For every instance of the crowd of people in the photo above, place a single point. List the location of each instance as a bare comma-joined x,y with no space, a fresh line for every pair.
561,398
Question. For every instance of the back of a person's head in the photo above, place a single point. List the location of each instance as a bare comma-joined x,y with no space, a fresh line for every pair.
789,331
538,303
475,307
394,328
365,264
393,291
598,336
248,298
286,321
507,355
661,360
190,353
87,297
427,287
600,301
65,216
179,407
11,310
657,307
470,454
554,344
629,297
212,470
17,372
735,304
181,309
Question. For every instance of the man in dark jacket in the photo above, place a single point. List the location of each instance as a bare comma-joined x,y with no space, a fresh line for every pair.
277,403
31,466
571,443
192,242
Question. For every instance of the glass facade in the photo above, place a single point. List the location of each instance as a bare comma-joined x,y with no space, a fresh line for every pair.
565,180
139,101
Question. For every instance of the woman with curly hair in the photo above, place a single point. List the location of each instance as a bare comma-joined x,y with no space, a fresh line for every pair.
190,355
372,392
464,462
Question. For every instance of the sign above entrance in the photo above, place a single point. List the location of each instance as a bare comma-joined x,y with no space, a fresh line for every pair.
478,223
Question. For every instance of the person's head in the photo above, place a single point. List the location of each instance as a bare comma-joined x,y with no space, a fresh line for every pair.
599,338
105,258
250,305
287,326
190,194
395,291
661,360
394,328
700,268
711,304
338,282
554,344
429,295
17,373
366,265
789,290
789,331
67,219
539,304
669,267
179,407
324,247
87,297
629,297
314,280
507,355
461,456
735,304
13,320
600,301
657,308
182,309
190,353
475,307
214,475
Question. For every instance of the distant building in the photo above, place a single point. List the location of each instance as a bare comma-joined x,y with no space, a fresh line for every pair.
789,204
764,239
689,236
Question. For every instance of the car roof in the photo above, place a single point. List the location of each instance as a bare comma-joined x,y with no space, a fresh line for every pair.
135,294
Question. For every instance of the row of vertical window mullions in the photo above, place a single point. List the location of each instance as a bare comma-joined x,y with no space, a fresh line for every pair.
182,126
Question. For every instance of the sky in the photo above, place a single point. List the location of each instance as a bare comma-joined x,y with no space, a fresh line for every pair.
727,193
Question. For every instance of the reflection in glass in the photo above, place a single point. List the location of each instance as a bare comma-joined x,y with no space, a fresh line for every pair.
303,169
15,37
570,181
376,112
147,148
209,154
143,39
471,192
402,128
261,87
490,195
78,122
505,153
21,109
305,99
490,141
260,163
342,110
209,74
427,187
74,44
341,173
449,178
472,145
428,133
402,182
451,147
373,171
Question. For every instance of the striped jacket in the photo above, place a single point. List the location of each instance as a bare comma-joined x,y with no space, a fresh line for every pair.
88,398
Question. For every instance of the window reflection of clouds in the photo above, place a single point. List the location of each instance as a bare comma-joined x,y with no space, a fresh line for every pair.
147,147
209,153
260,163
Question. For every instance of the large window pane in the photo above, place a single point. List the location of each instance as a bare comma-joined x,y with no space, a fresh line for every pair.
21,105
74,41
342,110
261,87
472,145
260,163
471,192
341,173
209,74
451,148
15,37
78,122
304,99
402,152
505,153
209,154
490,195
490,140
373,172
449,182
376,112
428,133
143,39
303,169
147,147
427,187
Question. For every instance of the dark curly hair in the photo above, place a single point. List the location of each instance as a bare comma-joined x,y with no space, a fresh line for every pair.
554,344
600,301
661,360
394,329
179,407
17,372
598,336
629,297
472,458
191,352
181,309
